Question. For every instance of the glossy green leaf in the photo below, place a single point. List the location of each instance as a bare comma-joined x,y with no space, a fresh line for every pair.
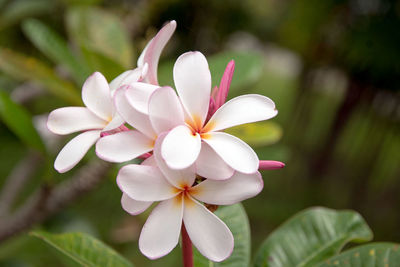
84,249
236,219
258,133
101,32
312,236
56,48
370,255
25,68
248,69
19,121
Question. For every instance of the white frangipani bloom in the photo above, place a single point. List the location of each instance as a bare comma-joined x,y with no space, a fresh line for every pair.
180,203
193,139
99,117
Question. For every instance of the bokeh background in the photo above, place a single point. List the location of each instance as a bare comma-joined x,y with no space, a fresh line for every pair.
332,67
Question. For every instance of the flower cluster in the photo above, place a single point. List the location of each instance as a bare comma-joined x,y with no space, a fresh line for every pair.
190,162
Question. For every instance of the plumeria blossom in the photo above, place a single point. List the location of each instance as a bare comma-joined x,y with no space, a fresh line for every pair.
181,199
99,117
153,110
184,143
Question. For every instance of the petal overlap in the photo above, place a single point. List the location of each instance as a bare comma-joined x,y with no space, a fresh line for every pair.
236,153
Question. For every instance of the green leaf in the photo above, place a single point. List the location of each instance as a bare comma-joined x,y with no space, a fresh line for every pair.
56,48
257,134
23,68
373,254
236,219
101,32
312,236
19,121
84,249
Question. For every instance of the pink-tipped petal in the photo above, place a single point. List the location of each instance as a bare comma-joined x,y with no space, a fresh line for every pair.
97,96
144,183
242,109
210,165
151,53
236,153
180,147
165,110
208,233
134,207
75,150
135,118
73,119
237,188
225,84
179,178
123,146
138,95
270,165
192,79
160,233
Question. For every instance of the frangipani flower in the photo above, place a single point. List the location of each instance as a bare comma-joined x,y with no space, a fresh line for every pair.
99,116
180,203
183,144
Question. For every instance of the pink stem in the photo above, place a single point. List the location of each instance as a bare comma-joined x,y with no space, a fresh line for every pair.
270,165
187,251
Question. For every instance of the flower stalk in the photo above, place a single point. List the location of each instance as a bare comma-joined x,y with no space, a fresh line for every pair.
187,250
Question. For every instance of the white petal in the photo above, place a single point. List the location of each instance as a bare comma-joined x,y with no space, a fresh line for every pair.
135,118
237,188
152,51
193,82
180,147
208,233
236,153
73,119
123,146
134,207
116,122
210,165
165,110
242,109
144,183
180,178
75,150
160,233
138,95
97,96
